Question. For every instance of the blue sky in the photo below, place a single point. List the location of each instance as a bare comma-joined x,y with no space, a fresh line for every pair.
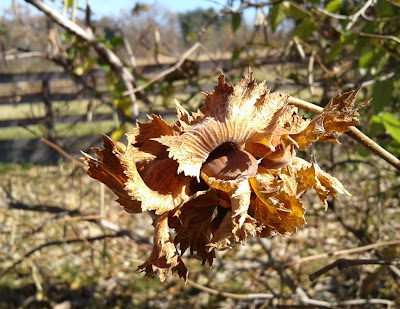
113,7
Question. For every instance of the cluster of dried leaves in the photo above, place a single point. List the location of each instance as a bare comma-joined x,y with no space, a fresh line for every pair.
225,172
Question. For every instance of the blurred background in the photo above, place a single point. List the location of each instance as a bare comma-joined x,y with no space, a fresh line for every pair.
72,69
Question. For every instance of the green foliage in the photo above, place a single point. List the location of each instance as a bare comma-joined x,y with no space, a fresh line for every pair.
192,21
278,13
392,125
235,54
354,49
333,6
382,94
118,133
236,21
387,123
305,28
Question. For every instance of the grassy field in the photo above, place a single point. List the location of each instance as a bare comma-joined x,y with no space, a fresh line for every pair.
57,250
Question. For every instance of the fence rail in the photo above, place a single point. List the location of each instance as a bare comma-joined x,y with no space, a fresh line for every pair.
50,87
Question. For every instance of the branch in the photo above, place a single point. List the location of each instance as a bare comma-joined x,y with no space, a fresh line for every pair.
357,14
55,243
344,252
363,14
371,81
33,54
87,35
62,152
380,36
353,132
166,72
74,215
261,4
229,295
346,263
333,15
324,304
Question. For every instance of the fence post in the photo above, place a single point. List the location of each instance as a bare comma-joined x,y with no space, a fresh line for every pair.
49,118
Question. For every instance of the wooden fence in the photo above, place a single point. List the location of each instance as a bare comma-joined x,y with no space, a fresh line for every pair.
49,87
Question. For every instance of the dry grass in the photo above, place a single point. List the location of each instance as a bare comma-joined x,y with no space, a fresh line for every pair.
58,208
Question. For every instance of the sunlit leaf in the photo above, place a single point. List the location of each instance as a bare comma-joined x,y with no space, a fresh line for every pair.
278,13
124,104
334,6
117,134
392,125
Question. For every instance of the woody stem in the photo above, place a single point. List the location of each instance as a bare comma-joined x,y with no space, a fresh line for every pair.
353,132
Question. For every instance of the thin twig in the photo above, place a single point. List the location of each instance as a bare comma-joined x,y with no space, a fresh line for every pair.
317,58
261,4
371,81
228,294
88,36
353,132
62,152
75,215
16,218
166,72
333,15
19,56
343,252
346,263
309,301
359,13
381,19
379,36
56,243
324,304
54,146
80,218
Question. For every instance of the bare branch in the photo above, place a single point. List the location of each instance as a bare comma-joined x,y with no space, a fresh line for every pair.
227,294
344,252
346,263
350,17
88,36
357,14
56,243
353,132
307,300
371,81
166,72
324,304
33,54
333,15
380,36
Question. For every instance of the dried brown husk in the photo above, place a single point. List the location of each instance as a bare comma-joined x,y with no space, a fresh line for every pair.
223,173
